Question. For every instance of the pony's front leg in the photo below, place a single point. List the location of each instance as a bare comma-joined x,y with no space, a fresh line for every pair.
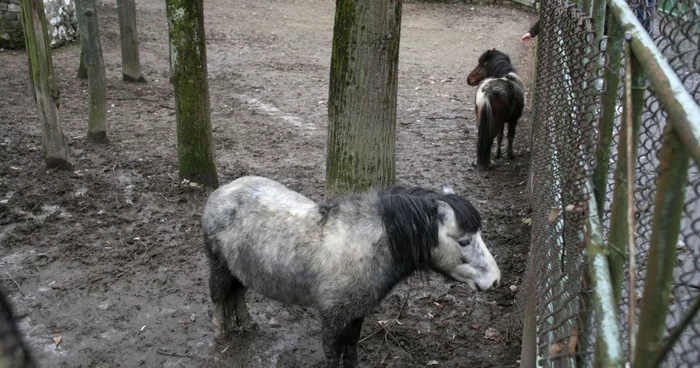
511,136
332,335
351,336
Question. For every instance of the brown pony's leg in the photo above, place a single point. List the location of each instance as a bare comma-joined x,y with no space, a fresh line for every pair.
511,136
500,139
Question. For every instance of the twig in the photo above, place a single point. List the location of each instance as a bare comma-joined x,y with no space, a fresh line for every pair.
445,117
399,344
391,322
15,281
125,271
170,353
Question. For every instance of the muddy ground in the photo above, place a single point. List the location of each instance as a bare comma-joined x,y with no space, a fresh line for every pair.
108,258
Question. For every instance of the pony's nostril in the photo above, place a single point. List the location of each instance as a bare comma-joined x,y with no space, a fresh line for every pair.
495,284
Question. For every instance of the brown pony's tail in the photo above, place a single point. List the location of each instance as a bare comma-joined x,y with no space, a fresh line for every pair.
485,139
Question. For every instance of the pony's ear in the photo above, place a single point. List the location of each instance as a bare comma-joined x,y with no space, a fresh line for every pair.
447,189
445,213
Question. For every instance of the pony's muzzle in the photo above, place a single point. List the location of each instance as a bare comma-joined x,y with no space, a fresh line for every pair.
493,286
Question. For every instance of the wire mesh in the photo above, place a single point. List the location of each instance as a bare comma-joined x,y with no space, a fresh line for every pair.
564,112
566,106
674,27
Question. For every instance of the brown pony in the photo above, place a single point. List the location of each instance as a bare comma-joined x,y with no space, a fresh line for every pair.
500,99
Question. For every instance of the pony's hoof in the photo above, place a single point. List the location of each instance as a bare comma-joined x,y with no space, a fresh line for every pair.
221,336
511,156
250,327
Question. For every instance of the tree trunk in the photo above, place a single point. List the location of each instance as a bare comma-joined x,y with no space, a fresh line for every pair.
82,70
188,57
131,68
53,143
361,150
97,82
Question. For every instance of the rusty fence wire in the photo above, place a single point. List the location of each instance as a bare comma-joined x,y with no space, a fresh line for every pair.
574,74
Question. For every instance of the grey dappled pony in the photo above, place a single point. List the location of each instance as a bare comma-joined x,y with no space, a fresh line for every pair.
341,257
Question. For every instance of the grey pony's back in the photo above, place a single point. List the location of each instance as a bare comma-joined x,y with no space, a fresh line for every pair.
246,223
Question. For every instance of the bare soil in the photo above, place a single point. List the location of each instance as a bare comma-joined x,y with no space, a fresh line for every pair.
109,258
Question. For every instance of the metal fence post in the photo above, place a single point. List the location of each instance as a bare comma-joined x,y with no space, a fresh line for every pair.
673,173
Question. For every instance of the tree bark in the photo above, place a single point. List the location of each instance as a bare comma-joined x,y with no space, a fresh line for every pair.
361,150
188,59
82,70
131,67
97,81
46,94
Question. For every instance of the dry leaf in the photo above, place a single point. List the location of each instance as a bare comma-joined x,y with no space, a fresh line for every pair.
570,208
57,340
476,327
573,341
553,214
555,349
433,362
490,333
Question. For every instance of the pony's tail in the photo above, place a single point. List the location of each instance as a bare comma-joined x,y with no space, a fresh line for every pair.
485,139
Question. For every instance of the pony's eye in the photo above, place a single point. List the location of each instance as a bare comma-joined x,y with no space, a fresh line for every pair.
464,243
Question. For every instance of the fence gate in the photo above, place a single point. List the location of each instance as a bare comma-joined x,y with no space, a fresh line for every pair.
613,277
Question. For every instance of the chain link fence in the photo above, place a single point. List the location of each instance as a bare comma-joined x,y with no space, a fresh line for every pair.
566,108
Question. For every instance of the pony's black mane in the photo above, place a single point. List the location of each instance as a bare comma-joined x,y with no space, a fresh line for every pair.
497,63
410,217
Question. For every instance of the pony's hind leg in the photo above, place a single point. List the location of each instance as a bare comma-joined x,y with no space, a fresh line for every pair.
511,136
220,289
500,140
243,318
351,336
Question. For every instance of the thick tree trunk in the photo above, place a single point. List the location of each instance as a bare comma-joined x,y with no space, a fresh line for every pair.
53,143
188,57
131,67
361,150
97,82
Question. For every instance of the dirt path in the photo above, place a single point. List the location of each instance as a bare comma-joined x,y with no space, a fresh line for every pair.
109,257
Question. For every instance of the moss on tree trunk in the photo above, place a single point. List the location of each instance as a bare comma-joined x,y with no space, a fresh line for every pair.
361,150
53,143
131,67
189,76
97,81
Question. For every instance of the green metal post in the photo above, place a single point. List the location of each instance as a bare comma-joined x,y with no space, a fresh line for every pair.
607,119
670,188
617,238
609,350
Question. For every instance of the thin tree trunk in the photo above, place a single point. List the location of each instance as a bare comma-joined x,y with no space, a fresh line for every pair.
46,94
131,67
97,81
82,70
361,150
188,59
